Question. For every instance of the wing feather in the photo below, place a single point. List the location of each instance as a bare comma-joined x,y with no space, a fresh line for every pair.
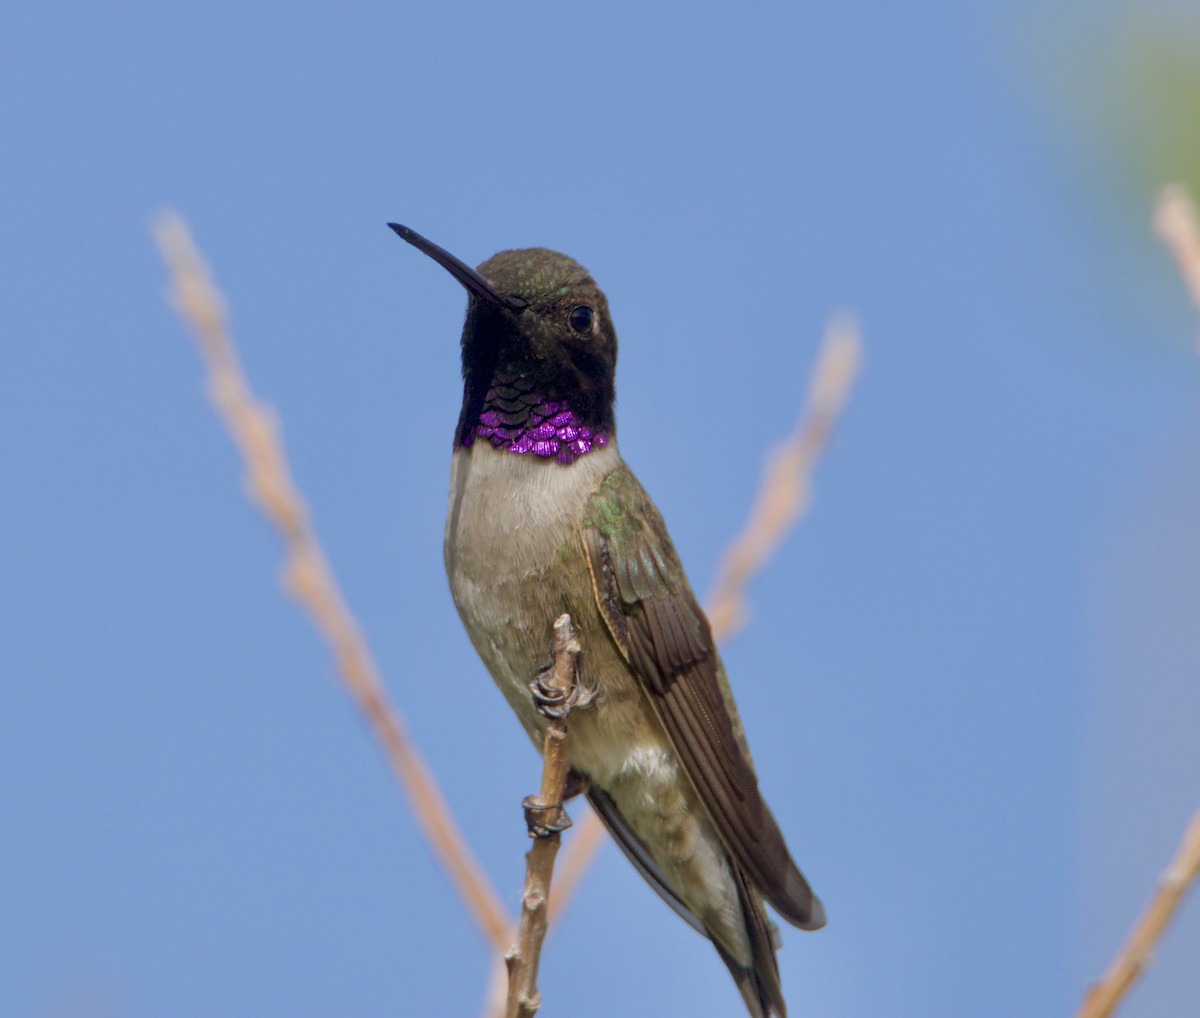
654,619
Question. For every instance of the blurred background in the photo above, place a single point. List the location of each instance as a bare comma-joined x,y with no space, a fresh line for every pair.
970,676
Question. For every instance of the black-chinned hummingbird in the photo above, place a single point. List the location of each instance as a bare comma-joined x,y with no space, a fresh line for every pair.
546,518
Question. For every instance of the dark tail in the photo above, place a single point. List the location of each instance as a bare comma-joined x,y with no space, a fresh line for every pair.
759,982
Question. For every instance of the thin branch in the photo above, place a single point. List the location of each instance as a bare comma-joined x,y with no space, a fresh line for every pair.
546,821
307,576
1177,223
787,477
1138,952
586,838
1178,226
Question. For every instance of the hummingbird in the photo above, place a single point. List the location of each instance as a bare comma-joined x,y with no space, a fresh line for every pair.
546,518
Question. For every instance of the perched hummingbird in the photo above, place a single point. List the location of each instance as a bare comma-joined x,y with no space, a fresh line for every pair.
546,518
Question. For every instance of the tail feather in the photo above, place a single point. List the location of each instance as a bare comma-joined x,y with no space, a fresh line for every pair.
758,983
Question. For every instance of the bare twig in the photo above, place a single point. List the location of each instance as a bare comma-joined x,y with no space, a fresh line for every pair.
580,852
586,838
1178,226
546,821
307,575
784,492
1135,957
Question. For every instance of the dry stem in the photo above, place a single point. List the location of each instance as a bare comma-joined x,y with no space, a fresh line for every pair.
1178,226
586,838
1135,957
786,483
307,575
523,996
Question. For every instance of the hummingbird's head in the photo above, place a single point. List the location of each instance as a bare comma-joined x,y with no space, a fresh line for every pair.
563,334
537,324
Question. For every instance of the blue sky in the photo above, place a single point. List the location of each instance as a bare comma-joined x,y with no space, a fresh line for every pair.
969,677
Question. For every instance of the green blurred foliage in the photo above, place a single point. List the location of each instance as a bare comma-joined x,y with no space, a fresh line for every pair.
1155,96
1118,89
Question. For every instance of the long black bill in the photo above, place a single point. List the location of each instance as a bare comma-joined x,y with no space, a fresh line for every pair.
472,280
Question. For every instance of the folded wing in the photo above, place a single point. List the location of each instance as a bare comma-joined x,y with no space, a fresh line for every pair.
654,618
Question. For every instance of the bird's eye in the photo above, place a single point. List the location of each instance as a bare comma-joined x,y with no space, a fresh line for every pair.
581,318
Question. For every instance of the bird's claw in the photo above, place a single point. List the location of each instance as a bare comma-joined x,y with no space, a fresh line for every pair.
555,703
544,820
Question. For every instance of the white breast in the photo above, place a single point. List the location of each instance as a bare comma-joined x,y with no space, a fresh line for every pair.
518,510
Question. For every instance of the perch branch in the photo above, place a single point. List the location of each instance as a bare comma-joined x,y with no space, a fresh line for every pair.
1177,224
787,478
1135,957
307,575
586,838
546,820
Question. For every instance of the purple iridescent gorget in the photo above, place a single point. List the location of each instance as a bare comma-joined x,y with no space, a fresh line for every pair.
550,429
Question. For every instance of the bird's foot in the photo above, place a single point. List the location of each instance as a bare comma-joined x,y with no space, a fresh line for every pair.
554,702
543,819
